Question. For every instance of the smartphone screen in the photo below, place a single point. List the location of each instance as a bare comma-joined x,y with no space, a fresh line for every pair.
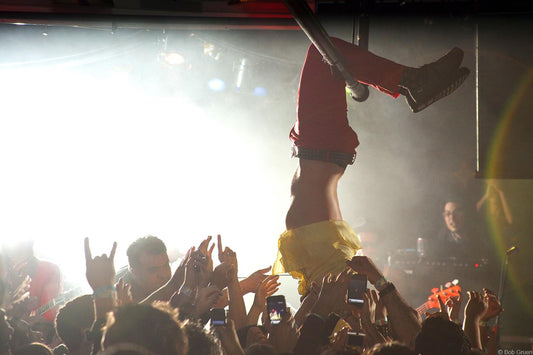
356,289
276,308
218,316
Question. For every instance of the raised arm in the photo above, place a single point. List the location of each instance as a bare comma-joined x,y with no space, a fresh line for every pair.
267,288
404,320
100,273
165,292
237,309
474,311
331,298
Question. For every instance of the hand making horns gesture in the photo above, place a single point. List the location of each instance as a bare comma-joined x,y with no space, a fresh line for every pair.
100,269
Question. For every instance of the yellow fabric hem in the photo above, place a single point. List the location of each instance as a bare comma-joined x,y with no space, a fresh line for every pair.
312,251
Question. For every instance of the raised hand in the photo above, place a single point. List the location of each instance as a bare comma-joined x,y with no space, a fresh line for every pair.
222,275
267,288
364,265
123,293
206,298
476,306
252,282
207,251
204,246
100,271
202,265
226,255
381,310
454,306
494,305
442,313
368,311
332,296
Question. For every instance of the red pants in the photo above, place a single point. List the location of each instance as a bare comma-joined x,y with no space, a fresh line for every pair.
322,121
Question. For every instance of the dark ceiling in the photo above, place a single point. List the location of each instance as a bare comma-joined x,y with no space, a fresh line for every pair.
230,14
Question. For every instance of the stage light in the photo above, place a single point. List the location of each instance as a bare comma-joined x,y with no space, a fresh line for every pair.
216,84
211,51
241,71
173,58
260,91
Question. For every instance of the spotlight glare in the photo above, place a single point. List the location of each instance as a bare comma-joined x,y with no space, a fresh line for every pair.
216,84
260,91
174,58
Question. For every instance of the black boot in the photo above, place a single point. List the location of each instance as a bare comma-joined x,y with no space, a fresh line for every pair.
431,82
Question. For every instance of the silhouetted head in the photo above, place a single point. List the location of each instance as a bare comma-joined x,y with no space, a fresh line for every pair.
73,320
154,327
440,336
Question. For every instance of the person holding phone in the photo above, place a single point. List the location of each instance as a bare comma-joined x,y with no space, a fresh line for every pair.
317,240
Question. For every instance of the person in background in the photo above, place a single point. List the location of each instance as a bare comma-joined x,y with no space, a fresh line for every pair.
45,284
149,267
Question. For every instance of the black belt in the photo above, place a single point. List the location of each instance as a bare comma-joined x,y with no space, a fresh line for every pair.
340,158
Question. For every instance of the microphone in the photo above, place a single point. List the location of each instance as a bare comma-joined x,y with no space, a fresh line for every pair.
511,250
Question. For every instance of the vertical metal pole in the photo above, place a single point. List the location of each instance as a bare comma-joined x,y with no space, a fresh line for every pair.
363,31
477,98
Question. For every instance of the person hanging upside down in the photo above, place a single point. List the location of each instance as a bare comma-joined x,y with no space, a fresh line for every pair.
317,240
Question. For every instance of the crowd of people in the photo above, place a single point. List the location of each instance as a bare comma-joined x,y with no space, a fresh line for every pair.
175,315
198,308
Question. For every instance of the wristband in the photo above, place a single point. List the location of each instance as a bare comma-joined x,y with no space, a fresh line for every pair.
105,292
381,283
184,290
387,289
381,322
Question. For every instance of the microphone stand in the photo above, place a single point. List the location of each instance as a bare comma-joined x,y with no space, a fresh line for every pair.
501,289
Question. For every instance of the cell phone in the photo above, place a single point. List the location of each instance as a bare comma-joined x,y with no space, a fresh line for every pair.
355,339
356,288
218,317
276,307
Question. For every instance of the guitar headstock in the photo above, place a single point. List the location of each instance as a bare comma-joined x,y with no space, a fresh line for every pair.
445,295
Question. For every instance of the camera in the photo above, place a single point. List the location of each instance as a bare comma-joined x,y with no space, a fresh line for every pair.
276,307
356,288
218,317
355,339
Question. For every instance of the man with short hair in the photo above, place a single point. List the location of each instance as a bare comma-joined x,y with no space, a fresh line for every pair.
460,235
149,267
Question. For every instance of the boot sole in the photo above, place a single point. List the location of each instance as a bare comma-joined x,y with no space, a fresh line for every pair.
417,106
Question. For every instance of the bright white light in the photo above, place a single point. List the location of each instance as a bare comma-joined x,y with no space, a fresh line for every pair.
260,91
92,157
216,84
240,72
174,58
